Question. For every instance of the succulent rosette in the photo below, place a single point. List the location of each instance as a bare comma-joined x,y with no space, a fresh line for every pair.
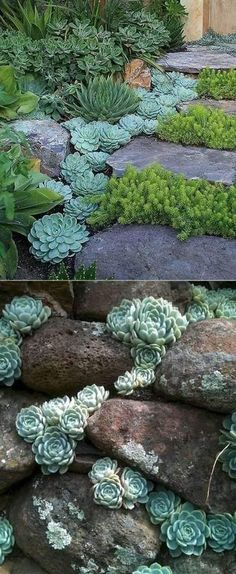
157,322
161,504
136,488
222,532
153,569
227,309
30,423
54,451
79,208
144,377
74,420
7,540
109,492
103,468
120,319
8,332
198,311
10,362
92,397
228,458
53,409
186,531
26,313
147,356
126,384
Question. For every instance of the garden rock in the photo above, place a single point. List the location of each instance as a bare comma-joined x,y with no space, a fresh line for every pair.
173,444
26,566
208,563
194,61
16,457
153,252
64,356
94,300
58,295
49,141
226,106
217,166
138,75
200,368
89,536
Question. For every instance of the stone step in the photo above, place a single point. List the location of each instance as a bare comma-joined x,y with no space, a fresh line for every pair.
194,162
227,106
193,62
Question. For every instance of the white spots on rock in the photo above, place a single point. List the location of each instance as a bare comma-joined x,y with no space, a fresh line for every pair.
58,537
136,454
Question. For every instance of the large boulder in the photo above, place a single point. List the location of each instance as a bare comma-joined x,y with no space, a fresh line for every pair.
64,356
67,531
200,368
173,444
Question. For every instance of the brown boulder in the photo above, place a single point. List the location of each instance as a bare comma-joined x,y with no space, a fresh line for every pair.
138,75
200,368
57,294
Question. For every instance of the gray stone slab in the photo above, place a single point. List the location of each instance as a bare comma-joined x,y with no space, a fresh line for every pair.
129,252
194,162
227,106
193,62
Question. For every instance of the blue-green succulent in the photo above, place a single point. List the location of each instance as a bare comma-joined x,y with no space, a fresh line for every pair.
92,397
26,314
97,160
153,569
112,137
103,468
222,534
144,377
149,108
30,423
161,504
74,166
7,539
55,237
64,190
120,320
198,311
74,420
186,531
147,356
226,309
133,124
132,380
136,488
86,138
149,127
53,410
158,322
90,183
109,492
54,451
79,207
10,362
228,458
74,124
8,332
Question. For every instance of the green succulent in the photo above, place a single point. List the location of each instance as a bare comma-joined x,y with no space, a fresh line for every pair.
26,314
54,451
226,308
7,332
112,137
147,356
92,397
126,384
158,322
30,423
54,237
186,531
10,362
120,320
53,410
74,166
198,312
222,532
73,421
161,504
136,488
144,377
89,183
79,208
149,108
7,539
149,127
97,160
86,138
153,569
132,123
109,492
59,187
75,124
103,468
228,458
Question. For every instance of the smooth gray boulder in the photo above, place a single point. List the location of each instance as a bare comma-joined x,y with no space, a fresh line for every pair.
194,61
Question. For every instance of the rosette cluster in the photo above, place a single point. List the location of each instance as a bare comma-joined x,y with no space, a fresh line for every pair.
207,304
137,378
114,488
228,440
55,427
7,540
153,569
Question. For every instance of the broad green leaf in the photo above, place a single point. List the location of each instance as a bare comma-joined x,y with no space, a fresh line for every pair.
7,79
26,103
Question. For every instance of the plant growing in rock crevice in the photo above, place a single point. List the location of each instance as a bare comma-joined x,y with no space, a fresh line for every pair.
7,539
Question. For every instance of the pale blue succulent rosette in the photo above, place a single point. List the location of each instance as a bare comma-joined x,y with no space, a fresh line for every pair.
198,311
226,309
30,423
153,569
228,439
54,451
73,421
161,504
126,384
120,320
10,362
92,397
8,332
7,539
64,190
97,160
53,409
90,184
136,488
186,531
26,314
222,534
109,492
147,356
74,166
228,459
158,322
103,468
79,207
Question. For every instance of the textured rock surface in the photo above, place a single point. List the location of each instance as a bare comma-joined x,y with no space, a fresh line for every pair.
192,161
64,356
138,75
49,141
58,295
227,106
16,458
26,566
193,62
154,252
94,300
101,536
208,563
200,368
172,443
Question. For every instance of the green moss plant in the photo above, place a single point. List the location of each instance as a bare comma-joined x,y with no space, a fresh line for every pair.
217,84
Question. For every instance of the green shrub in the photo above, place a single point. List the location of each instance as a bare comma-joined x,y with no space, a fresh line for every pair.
200,126
157,196
220,85
173,14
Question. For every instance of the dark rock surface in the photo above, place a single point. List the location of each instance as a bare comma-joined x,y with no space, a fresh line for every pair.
226,106
173,444
208,563
91,534
194,61
26,566
64,356
191,161
152,252
200,368
57,294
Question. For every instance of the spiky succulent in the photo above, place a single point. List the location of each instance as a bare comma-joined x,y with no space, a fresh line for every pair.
64,190
161,504
97,160
222,534
7,539
147,356
54,451
74,166
30,423
73,421
55,237
8,332
186,531
198,312
136,488
153,569
26,314
133,123
120,320
104,99
158,322
92,397
103,468
53,410
89,183
78,207
10,362
109,492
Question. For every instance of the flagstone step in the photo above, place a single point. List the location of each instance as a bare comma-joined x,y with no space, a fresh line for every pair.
193,62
